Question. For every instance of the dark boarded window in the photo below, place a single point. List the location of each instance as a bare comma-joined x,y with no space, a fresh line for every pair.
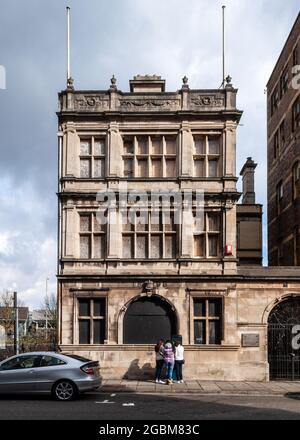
147,320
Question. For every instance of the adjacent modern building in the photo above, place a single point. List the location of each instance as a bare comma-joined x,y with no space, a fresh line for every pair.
284,154
169,271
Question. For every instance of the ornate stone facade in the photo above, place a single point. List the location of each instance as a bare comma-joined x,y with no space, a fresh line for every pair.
122,286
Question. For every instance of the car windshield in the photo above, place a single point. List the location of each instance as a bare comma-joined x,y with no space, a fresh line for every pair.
78,358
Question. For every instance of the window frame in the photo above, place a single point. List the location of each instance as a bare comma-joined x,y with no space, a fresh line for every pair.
276,144
91,318
282,133
207,233
295,55
91,234
284,81
296,178
149,155
206,157
207,318
296,114
279,196
162,231
275,98
92,157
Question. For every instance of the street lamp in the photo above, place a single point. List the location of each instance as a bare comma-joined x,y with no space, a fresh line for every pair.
46,311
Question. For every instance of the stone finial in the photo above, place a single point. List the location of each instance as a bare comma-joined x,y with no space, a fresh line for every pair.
70,84
113,82
228,81
185,82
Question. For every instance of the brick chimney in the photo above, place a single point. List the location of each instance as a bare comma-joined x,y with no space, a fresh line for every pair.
248,173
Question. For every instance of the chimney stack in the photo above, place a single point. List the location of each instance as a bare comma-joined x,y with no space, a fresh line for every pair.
247,173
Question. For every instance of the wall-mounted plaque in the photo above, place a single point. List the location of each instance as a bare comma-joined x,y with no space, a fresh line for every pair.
250,340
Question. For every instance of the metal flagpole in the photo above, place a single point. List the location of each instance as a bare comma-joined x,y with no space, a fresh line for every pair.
223,50
68,46
16,309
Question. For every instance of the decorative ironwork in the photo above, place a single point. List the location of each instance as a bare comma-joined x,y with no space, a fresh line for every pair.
283,359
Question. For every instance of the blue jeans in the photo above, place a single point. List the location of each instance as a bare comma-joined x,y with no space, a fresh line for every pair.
170,367
159,367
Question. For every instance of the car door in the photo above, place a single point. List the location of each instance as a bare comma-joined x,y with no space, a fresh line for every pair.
50,370
18,375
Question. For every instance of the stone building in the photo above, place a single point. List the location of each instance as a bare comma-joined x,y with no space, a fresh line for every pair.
123,285
284,154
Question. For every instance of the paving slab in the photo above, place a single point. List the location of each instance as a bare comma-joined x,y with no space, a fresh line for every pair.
226,386
201,387
210,387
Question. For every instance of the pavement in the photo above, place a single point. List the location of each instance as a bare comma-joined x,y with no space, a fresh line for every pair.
202,387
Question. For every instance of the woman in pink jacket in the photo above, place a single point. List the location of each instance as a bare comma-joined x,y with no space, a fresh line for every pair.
169,356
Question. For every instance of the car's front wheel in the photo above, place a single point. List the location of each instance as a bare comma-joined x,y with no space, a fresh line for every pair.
64,390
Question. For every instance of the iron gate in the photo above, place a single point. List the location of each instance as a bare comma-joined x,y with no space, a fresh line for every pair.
284,360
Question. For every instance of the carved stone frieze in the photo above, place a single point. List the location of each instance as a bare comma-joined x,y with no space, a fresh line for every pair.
149,104
200,100
91,103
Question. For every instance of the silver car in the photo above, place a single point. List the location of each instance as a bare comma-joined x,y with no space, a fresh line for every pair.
62,375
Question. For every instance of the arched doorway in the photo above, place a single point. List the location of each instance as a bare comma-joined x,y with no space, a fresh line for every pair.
284,359
147,320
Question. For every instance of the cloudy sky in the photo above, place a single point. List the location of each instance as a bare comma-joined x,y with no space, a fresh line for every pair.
172,38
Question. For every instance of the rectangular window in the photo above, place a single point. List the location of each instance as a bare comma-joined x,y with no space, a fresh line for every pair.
213,168
282,130
207,153
171,168
296,178
207,321
92,158
279,197
296,240
92,237
274,100
148,235
284,81
156,168
84,331
92,320
276,144
207,242
199,167
295,56
128,168
150,156
296,114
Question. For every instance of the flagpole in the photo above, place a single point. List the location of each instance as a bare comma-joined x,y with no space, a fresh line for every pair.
223,43
68,46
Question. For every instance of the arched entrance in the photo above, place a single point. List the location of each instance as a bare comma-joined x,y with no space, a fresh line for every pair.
284,359
147,320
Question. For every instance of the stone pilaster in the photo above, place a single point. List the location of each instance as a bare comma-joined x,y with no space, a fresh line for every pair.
186,150
70,230
115,145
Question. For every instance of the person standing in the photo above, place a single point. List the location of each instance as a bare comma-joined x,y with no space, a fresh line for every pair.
159,354
179,361
169,356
